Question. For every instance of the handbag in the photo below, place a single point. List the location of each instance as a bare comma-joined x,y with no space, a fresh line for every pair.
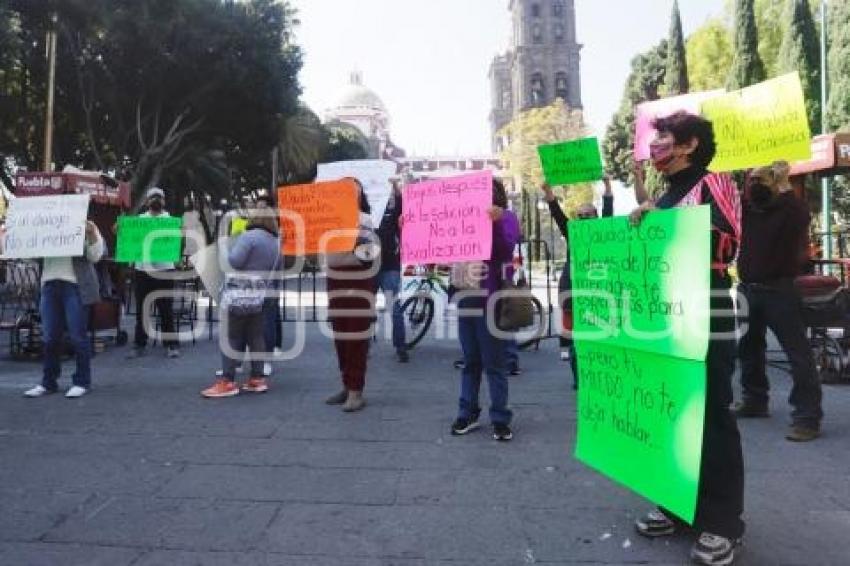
244,294
516,307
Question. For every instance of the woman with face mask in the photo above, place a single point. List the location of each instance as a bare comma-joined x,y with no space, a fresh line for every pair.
774,252
682,152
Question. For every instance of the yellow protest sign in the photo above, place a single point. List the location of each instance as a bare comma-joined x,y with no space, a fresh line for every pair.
760,124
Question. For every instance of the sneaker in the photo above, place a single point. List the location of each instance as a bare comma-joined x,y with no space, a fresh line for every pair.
745,410
460,364
502,433
337,398
799,433
221,388
402,356
515,371
137,352
714,550
173,353
354,403
655,524
38,391
267,369
76,392
255,385
464,426
565,355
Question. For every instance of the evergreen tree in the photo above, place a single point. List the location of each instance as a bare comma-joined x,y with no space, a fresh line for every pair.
676,77
838,107
800,51
747,66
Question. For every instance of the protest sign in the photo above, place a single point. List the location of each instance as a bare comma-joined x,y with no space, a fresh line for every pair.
640,422
447,221
571,162
149,239
760,124
322,218
647,112
206,264
51,226
373,174
644,287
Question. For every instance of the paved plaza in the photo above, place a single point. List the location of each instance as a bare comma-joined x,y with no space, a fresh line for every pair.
145,472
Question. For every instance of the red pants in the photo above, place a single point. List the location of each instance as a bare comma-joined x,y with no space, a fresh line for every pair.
352,312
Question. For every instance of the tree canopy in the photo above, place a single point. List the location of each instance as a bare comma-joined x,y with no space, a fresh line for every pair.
800,51
747,66
676,76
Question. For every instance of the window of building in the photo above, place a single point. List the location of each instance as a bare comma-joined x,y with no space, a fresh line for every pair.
558,9
538,89
559,33
535,10
561,86
537,33
506,98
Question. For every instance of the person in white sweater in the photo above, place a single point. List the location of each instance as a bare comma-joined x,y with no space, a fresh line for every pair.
69,286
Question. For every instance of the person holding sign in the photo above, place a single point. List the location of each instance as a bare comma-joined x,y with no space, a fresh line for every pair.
585,211
477,283
351,306
150,277
69,287
389,275
682,153
774,252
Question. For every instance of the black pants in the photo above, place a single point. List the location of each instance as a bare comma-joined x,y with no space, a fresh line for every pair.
144,286
721,492
778,307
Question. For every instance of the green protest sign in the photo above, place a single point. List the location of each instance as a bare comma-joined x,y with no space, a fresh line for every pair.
149,239
760,124
646,287
640,422
571,162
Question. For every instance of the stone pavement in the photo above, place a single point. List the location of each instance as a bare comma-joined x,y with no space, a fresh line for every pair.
145,472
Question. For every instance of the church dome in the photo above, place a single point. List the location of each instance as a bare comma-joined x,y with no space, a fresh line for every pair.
356,95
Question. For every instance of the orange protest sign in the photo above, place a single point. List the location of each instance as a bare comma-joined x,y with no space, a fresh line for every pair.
321,218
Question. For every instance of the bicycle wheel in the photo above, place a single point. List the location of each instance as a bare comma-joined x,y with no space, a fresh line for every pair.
418,313
829,357
531,335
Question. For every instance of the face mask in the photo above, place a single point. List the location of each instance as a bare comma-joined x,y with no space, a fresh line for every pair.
156,205
662,156
760,194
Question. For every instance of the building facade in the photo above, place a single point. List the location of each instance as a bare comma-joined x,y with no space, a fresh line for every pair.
542,64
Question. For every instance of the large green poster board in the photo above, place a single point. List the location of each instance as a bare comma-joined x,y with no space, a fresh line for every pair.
149,239
641,325
571,162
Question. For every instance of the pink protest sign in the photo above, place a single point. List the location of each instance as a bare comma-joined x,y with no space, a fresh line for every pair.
447,221
648,111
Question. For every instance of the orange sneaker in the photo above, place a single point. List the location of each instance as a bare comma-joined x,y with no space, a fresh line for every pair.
255,385
221,388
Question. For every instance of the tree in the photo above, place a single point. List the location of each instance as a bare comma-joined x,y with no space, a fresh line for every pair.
643,84
303,143
345,142
800,51
747,67
676,76
532,128
838,106
710,55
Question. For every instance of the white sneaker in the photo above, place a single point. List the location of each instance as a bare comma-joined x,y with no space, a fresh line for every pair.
173,353
565,355
37,391
76,392
267,369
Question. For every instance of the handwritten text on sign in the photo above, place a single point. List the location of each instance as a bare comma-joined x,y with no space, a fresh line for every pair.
446,220
322,218
640,422
571,162
149,239
53,226
760,124
644,287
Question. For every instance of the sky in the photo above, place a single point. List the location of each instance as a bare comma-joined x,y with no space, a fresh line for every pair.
428,59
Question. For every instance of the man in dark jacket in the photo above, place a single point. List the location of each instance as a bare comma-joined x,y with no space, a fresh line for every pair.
773,253
389,275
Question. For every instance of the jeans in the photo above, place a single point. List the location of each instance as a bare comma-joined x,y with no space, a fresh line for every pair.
145,284
390,283
272,329
482,352
778,308
512,354
62,309
244,332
